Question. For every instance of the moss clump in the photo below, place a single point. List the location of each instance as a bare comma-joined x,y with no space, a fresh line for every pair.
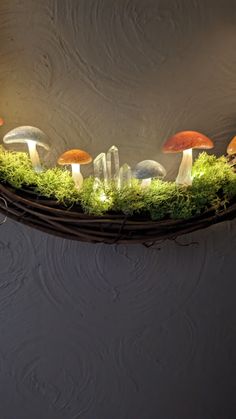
129,200
57,184
214,186
16,169
213,179
95,201
160,198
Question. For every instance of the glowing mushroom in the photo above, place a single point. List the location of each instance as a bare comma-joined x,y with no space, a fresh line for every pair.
31,136
231,150
185,141
75,158
148,169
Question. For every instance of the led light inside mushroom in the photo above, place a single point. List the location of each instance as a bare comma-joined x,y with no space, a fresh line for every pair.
184,176
185,141
34,156
146,170
32,137
77,175
75,158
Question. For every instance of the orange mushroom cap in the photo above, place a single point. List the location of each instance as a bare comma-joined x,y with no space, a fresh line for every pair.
185,140
231,149
1,122
74,156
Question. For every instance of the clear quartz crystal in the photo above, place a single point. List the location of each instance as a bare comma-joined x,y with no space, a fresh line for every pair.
100,169
125,176
113,169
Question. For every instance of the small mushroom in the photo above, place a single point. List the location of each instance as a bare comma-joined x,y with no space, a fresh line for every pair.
185,141
231,151
148,169
1,122
32,137
75,158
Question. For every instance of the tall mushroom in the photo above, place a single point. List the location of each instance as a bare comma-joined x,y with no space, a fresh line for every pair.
185,141
75,158
32,137
231,151
146,170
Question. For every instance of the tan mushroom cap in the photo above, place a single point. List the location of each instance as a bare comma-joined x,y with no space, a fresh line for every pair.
74,156
231,149
185,140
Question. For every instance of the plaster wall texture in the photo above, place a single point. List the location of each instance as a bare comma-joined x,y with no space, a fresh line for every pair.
118,332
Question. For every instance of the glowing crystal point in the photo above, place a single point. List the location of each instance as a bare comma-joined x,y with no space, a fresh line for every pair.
113,170
100,169
125,176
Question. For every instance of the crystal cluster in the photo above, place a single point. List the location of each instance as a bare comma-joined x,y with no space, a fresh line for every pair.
107,168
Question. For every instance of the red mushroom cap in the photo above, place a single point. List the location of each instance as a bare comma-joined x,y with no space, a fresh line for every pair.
186,139
231,149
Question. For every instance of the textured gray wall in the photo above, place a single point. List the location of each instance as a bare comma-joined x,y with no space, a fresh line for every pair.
118,332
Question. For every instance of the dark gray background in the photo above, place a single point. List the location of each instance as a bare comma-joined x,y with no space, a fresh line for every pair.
118,332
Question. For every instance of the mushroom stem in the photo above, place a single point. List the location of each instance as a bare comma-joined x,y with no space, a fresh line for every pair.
34,157
185,169
146,183
233,161
77,175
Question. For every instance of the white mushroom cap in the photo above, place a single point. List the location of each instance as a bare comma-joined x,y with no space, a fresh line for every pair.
32,137
149,169
27,133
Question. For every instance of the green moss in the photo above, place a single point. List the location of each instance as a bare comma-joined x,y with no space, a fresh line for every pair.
58,184
214,186
160,198
214,181
129,200
16,169
98,201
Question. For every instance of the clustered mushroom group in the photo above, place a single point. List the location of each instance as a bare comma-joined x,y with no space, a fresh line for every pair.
145,171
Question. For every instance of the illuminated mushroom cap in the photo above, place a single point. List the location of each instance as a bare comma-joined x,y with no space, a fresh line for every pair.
149,169
74,156
231,149
185,140
27,133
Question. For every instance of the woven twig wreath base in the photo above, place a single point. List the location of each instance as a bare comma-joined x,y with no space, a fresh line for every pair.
48,216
